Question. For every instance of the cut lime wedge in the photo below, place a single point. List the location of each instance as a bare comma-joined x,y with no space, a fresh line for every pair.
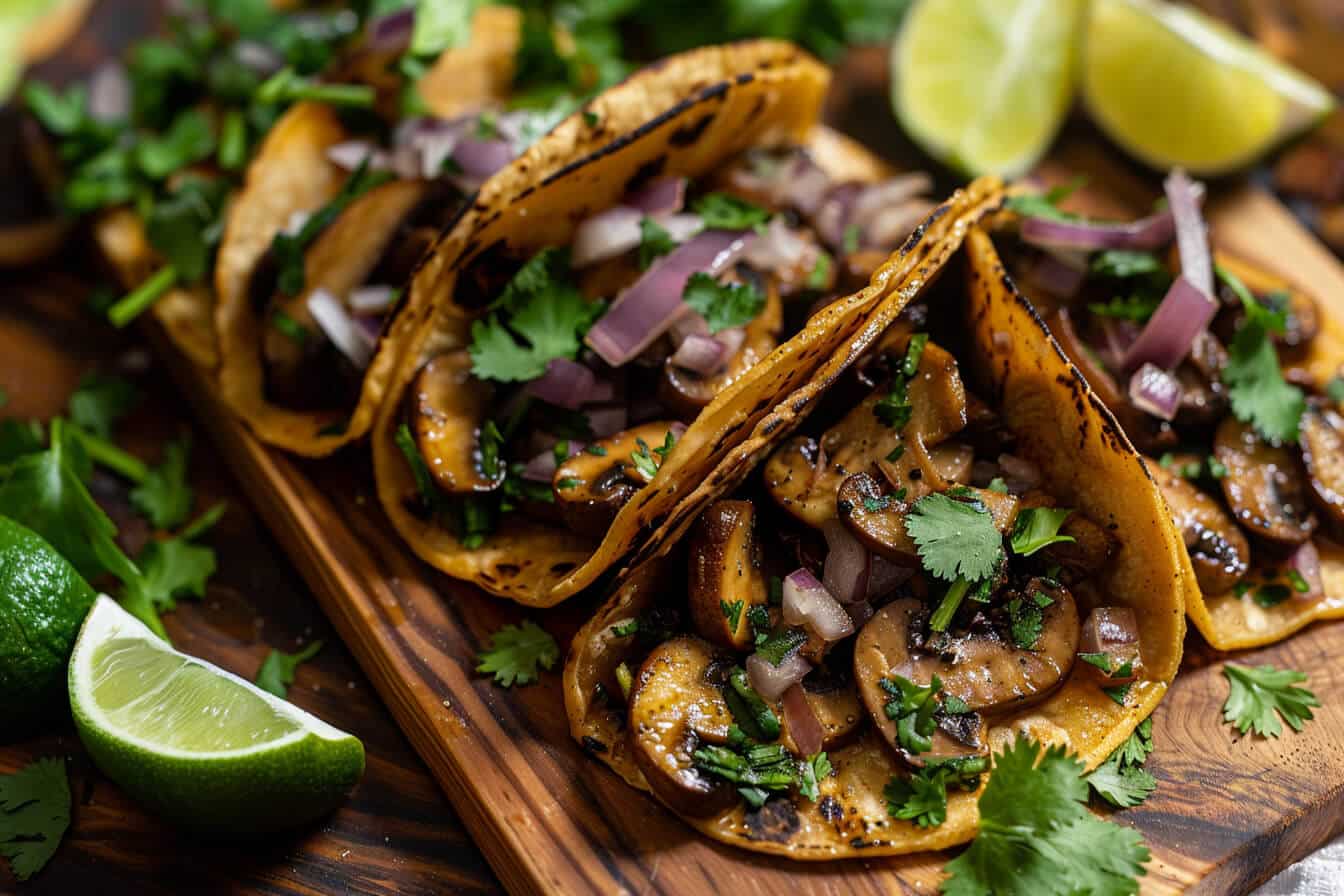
196,744
1176,88
983,85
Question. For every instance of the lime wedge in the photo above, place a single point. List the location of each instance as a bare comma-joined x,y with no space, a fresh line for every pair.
984,86
1176,88
200,746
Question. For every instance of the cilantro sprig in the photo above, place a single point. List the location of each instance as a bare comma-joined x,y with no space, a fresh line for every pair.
34,815
922,797
955,538
723,305
1121,780
518,653
1258,393
277,671
1261,695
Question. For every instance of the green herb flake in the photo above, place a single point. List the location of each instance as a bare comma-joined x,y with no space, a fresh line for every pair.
732,612
955,538
518,653
723,211
278,669
723,305
1038,527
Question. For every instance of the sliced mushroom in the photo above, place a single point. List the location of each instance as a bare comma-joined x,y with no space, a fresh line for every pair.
685,393
593,485
448,408
675,706
805,480
725,572
1203,396
988,673
953,461
1322,438
339,261
1081,558
1218,550
1265,485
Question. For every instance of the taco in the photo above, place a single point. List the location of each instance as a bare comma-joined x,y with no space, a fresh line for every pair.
860,612
334,215
1221,373
600,316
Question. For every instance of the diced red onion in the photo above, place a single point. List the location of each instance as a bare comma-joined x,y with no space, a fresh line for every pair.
391,32
862,611
659,197
1152,232
1155,391
412,130
1117,337
802,723
566,384
779,247
682,227
342,329
479,159
1113,631
541,468
689,324
603,392
372,299
606,235
1307,561
1192,238
700,354
845,573
771,681
807,603
645,310
258,57
731,339
875,199
607,421
109,93
835,213
426,157
353,153
1167,337
1056,276
1019,475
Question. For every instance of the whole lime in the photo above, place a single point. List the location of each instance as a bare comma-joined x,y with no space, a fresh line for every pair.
43,601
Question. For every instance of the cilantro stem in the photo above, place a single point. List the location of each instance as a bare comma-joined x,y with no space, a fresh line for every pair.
104,453
140,299
203,523
287,87
942,617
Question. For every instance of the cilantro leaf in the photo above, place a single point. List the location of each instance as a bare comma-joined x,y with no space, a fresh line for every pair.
954,538
100,401
277,670
174,568
1037,837
1026,619
1037,527
1137,746
810,773
1255,385
723,211
517,654
1137,307
749,711
34,815
732,612
1121,785
759,769
1124,263
1257,693
186,225
654,242
439,26
723,305
778,645
922,797
1335,389
189,139
164,497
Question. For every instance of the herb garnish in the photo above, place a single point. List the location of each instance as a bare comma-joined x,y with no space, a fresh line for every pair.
1038,527
1258,693
277,670
1258,392
723,305
723,211
922,797
518,653
34,815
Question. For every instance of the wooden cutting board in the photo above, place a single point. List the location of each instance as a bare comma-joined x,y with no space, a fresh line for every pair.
1229,812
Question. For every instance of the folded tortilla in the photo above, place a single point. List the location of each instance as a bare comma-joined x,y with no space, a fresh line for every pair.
1086,462
685,116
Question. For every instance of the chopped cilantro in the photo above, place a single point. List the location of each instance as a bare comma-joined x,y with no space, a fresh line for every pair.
1257,693
811,771
517,654
654,242
1038,527
424,481
820,274
912,708
758,770
722,211
1123,786
34,814
998,485
568,483
758,617
1335,389
954,538
1119,693
1122,263
1026,618
850,240
100,401
1256,388
779,645
165,497
596,450
749,711
1137,307
922,797
277,670
625,629
723,305
732,612
1046,205
288,326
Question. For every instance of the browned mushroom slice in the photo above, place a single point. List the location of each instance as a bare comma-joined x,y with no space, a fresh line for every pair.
1322,439
1264,485
953,461
989,674
447,408
593,485
675,705
805,481
686,393
339,261
1218,550
725,578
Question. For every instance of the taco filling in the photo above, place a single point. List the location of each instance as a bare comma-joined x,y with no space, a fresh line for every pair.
587,361
1213,366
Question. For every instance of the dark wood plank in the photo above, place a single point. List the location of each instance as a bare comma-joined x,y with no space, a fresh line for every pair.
396,834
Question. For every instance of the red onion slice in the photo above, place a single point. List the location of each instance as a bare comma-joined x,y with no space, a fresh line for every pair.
732,340
1113,631
1307,561
803,726
689,324
541,468
372,299
566,384
700,354
1192,238
605,235
1155,391
607,421
772,681
645,310
779,247
109,93
1058,277
1167,337
807,603
391,33
845,574
350,154
660,196
892,225
875,199
1152,232
835,213
335,321
479,159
